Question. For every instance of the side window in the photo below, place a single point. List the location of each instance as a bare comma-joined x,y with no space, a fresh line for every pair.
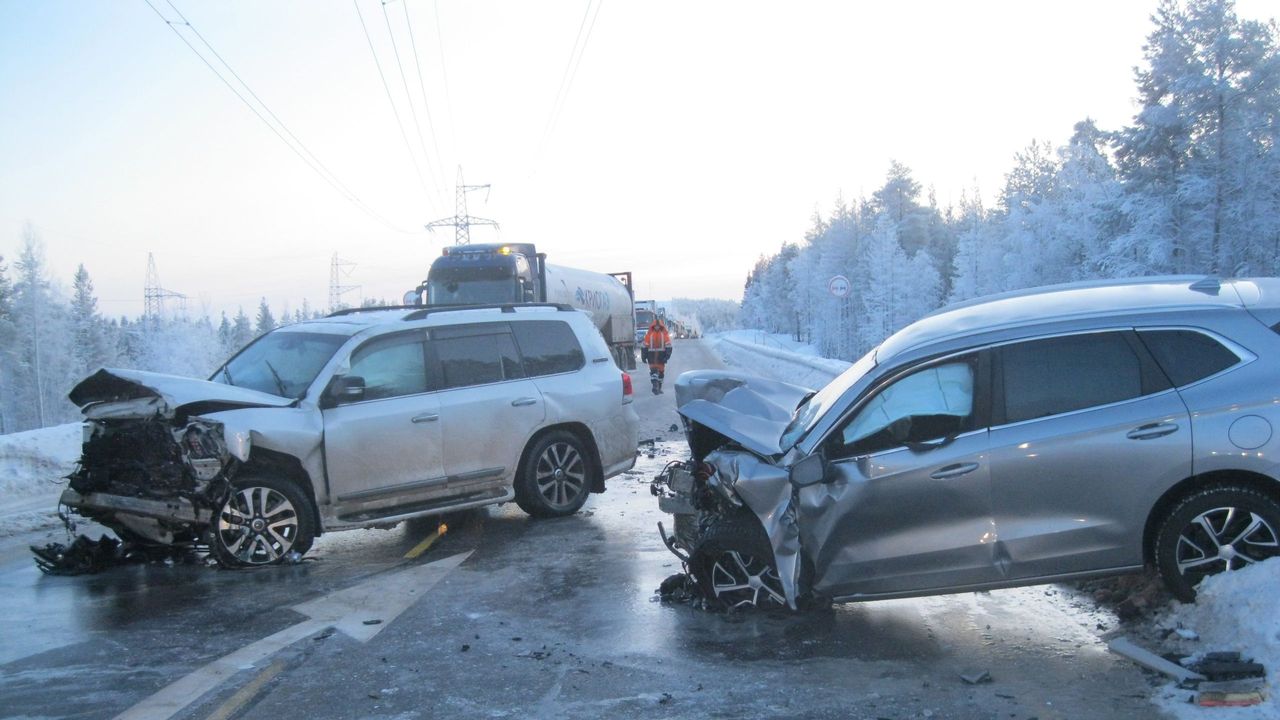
1062,374
928,404
476,359
391,366
548,347
1186,355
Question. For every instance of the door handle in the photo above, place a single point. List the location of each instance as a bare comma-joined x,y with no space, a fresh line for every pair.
523,401
953,471
1151,431
426,418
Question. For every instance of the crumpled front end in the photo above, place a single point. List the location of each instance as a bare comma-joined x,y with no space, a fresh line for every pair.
151,479
728,487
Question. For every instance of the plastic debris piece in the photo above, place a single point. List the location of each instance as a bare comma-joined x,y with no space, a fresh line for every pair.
976,678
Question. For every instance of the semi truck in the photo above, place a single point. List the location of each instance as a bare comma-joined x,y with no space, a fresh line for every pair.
512,273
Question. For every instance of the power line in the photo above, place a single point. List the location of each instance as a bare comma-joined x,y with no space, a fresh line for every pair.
426,105
570,71
297,145
444,74
408,96
394,110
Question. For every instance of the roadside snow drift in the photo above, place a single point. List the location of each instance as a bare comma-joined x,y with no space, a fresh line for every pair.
33,466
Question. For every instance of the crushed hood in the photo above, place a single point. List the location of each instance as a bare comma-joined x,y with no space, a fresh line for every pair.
750,410
137,393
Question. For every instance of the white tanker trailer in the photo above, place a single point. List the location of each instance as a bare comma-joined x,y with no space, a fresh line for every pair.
510,273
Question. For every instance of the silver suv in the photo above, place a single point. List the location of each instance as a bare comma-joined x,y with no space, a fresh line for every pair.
363,418
1032,437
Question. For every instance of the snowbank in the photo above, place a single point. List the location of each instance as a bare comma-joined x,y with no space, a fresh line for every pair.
32,467
777,357
1239,611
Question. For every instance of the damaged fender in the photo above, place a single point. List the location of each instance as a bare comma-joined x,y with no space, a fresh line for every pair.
766,491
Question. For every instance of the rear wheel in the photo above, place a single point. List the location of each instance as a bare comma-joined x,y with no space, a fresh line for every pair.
1219,529
734,565
556,476
262,522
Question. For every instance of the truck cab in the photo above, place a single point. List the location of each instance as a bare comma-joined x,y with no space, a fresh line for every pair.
483,274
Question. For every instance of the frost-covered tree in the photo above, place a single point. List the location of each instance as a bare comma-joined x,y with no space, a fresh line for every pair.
91,349
1199,161
266,321
241,331
41,364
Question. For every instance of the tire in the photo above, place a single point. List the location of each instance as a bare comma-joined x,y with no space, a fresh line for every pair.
556,476
1218,529
263,521
734,566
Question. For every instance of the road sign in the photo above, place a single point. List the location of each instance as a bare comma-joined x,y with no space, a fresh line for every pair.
839,286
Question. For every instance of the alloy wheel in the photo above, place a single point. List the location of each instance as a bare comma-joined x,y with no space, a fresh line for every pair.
257,525
741,580
561,475
1224,538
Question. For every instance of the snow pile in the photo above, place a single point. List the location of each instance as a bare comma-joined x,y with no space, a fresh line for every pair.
1240,611
777,357
32,467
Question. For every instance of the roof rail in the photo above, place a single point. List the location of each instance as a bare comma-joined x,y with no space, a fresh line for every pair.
422,312
370,308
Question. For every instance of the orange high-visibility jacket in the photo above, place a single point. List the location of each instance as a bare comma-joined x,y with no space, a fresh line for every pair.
657,338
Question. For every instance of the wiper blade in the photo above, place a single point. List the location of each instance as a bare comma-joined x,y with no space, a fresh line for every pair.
226,373
276,376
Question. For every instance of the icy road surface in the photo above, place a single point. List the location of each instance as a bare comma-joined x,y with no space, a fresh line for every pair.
542,619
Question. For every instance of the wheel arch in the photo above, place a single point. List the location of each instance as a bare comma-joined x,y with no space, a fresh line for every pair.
273,462
1190,486
584,435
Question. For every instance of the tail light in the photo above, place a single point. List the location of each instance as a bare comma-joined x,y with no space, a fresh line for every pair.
627,392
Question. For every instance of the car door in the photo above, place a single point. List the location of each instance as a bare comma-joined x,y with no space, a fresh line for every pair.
1086,436
488,408
384,447
906,502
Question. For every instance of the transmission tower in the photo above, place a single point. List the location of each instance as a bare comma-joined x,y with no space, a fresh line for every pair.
339,269
461,222
156,295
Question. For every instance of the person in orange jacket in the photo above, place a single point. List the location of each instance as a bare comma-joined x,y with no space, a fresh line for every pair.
656,350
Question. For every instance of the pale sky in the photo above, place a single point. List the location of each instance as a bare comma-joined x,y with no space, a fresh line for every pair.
694,136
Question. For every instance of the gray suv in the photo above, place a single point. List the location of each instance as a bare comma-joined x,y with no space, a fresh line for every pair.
364,418
1038,436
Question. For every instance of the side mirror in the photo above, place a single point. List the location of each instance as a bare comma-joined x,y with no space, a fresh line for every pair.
810,470
413,297
345,389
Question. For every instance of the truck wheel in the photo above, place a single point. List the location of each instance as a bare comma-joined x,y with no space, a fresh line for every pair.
262,522
1218,529
555,478
734,565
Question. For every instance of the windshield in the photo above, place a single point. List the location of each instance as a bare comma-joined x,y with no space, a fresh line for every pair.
807,414
280,363
470,292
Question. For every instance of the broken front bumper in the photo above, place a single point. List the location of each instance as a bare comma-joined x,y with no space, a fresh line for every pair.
173,510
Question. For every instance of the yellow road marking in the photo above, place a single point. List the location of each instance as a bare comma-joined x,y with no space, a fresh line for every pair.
426,542
236,703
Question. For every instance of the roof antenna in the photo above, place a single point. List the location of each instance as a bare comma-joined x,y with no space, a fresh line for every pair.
1209,285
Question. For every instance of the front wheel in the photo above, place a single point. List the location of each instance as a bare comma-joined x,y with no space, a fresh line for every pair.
1216,530
734,567
555,477
262,522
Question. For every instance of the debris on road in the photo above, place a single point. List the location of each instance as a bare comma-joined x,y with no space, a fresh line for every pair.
1151,661
87,557
976,678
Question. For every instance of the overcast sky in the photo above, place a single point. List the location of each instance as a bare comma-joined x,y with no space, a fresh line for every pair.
693,137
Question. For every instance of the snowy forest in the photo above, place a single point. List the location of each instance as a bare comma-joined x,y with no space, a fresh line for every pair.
49,342
1191,187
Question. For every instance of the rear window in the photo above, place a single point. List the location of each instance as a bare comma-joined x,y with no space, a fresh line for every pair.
548,346
1186,355
1062,374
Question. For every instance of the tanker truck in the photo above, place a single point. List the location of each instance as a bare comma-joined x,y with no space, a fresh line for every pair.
498,274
